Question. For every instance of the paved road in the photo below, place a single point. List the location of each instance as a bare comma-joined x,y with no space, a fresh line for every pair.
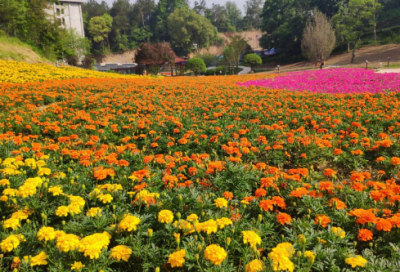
384,71
245,70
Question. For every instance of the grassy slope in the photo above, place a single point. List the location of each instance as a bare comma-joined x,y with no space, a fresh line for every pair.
14,49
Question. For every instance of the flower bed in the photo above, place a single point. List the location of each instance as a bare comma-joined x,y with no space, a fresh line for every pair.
333,81
196,174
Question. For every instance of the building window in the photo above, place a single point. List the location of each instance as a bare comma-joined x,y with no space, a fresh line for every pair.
62,11
58,11
63,20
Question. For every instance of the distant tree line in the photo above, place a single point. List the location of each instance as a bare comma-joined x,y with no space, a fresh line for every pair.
286,21
173,21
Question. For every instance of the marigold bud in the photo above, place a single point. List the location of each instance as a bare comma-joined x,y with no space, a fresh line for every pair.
228,240
150,232
260,217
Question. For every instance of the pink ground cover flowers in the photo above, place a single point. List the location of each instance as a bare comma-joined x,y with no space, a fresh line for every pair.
334,81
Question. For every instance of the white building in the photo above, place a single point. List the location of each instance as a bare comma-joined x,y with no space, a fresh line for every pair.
69,14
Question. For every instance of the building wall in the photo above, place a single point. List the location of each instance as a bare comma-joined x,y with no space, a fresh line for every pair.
69,13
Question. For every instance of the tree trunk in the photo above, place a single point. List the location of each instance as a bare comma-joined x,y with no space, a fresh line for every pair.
353,53
348,47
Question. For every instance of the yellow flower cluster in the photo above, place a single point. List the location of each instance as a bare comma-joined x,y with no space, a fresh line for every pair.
215,254
11,242
121,253
92,245
75,207
177,258
356,261
39,259
255,266
252,238
15,221
221,202
128,223
20,72
93,212
280,257
165,216
338,232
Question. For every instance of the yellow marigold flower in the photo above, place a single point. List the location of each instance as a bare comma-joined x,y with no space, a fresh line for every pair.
10,172
40,163
185,226
198,226
92,245
338,232
252,238
209,226
310,256
20,215
4,198
76,200
56,190
77,266
356,261
288,247
165,216
30,163
62,211
121,253
280,260
67,242
215,254
39,259
4,182
11,242
107,198
302,238
255,266
221,202
44,171
46,233
37,182
129,223
193,217
74,209
177,259
93,212
10,192
223,222
12,223
26,190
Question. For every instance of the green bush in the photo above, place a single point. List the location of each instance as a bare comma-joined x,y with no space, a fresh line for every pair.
209,59
252,60
196,65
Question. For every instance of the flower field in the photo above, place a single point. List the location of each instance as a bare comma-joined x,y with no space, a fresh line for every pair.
197,174
334,81
21,72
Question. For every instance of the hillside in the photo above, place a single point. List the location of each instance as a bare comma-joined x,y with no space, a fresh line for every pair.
14,49
128,57
376,55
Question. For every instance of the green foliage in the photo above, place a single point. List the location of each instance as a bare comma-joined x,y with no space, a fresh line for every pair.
238,46
72,45
252,60
100,27
186,28
209,59
196,65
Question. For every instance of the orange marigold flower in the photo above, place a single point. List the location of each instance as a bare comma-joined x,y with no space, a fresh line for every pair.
283,218
260,192
329,172
228,195
395,161
384,224
365,235
322,220
266,205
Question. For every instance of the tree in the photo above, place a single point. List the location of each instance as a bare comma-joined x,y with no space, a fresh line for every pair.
229,56
200,7
218,17
253,9
233,14
72,46
238,45
356,19
196,65
121,12
186,28
252,60
284,22
163,10
99,27
318,38
209,59
155,55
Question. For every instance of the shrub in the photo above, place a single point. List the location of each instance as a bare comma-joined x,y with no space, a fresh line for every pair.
252,60
196,65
